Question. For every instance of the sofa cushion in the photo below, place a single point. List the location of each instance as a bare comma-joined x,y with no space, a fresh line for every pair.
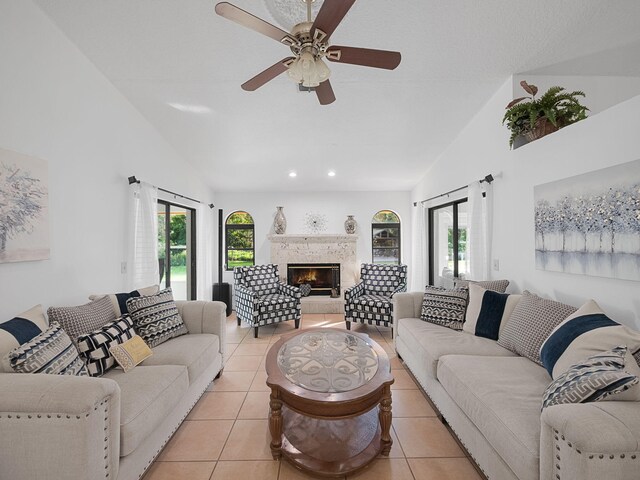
195,351
156,318
147,396
586,332
83,319
488,311
20,329
531,322
444,306
94,347
599,377
499,286
50,352
119,300
502,397
434,341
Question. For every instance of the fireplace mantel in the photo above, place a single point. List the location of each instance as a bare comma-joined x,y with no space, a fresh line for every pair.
313,238
318,248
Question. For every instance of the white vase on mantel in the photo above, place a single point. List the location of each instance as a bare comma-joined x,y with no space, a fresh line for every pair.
279,222
350,225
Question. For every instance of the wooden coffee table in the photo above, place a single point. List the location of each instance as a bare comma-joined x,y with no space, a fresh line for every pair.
325,384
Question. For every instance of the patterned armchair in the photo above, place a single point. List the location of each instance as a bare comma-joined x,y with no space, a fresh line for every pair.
370,300
261,299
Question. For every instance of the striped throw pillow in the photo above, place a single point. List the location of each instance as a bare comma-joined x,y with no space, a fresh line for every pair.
50,352
588,332
156,318
95,347
488,311
119,300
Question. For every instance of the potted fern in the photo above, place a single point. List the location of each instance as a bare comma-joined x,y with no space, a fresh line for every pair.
529,118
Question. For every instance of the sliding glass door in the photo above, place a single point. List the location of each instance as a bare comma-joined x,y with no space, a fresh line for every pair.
448,243
176,249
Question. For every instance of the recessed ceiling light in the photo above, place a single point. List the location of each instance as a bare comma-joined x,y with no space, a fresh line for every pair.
293,174
331,173
190,108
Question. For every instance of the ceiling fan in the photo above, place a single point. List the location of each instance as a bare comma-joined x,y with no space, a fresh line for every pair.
309,43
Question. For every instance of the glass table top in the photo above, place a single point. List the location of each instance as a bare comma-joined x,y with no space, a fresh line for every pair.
328,361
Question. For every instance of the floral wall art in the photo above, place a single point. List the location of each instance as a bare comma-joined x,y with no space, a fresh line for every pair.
590,224
24,215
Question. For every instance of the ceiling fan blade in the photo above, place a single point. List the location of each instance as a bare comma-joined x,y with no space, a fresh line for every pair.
241,17
325,93
330,15
364,56
266,75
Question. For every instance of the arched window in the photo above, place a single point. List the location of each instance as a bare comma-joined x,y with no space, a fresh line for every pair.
385,237
240,240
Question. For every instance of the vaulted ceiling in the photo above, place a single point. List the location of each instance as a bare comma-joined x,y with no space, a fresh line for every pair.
181,66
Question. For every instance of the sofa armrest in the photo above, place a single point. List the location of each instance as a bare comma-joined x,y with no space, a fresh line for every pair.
590,441
202,316
353,292
407,305
400,288
59,426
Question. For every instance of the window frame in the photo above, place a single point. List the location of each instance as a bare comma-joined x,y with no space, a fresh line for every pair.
396,225
456,239
238,226
192,286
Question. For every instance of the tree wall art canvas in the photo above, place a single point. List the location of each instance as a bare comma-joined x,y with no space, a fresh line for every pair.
590,224
24,208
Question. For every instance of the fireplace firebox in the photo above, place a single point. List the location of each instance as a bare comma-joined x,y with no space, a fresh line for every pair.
323,277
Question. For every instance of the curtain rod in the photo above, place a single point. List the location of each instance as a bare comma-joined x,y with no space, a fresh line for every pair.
133,180
488,178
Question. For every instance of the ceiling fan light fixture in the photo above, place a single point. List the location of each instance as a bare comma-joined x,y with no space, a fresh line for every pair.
308,70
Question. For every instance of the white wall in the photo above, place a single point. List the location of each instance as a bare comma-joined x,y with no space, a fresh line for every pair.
55,105
606,139
334,205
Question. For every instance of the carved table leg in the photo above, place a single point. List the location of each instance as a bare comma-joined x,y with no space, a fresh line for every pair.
385,421
275,424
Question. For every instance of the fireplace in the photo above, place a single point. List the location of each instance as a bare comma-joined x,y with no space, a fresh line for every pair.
323,277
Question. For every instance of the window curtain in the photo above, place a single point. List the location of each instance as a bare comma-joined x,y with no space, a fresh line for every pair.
419,275
204,252
143,236
480,227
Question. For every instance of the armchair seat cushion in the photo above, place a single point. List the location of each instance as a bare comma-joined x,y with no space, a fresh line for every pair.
276,302
373,303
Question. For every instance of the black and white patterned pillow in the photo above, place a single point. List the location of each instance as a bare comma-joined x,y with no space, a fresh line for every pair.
499,286
82,319
156,318
94,347
593,380
444,306
20,329
531,322
119,300
50,352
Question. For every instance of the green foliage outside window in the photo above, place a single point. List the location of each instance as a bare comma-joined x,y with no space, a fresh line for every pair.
240,240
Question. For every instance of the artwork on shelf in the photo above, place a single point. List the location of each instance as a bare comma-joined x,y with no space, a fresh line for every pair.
24,208
315,222
590,224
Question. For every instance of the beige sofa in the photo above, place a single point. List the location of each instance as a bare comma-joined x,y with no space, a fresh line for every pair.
66,427
491,399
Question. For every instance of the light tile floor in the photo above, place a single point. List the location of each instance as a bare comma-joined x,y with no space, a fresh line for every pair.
226,435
